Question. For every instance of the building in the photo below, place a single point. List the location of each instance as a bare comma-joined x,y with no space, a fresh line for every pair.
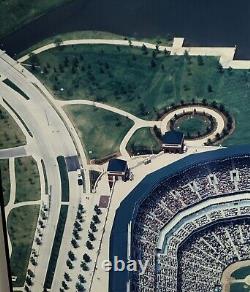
173,142
118,170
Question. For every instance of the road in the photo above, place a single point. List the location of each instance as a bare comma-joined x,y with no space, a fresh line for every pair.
51,138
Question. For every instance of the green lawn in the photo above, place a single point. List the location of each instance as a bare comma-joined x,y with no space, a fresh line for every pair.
192,125
4,167
100,131
143,141
239,287
241,273
21,223
14,13
10,134
127,78
27,180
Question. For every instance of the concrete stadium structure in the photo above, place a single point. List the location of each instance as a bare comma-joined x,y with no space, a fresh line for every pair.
174,212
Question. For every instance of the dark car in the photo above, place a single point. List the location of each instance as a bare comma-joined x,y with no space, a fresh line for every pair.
80,182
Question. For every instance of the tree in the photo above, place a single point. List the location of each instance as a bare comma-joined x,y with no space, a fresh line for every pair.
209,141
77,226
209,88
67,277
220,68
58,42
89,245
79,287
97,210
230,71
157,132
221,108
81,279
84,266
93,227
33,261
30,273
29,281
166,53
200,61
66,61
69,264
74,243
144,49
91,236
217,136
152,64
204,101
214,104
86,258
65,286
76,234
71,255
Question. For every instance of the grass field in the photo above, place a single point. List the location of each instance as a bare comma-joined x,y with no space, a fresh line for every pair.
27,180
4,167
144,85
21,227
239,287
100,131
10,134
14,13
143,141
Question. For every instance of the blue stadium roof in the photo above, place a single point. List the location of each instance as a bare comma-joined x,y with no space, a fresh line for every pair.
129,206
117,165
172,137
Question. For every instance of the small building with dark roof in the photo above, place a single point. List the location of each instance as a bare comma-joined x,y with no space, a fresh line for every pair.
118,170
173,142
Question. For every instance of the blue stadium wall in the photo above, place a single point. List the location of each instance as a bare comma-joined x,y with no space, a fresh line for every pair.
128,207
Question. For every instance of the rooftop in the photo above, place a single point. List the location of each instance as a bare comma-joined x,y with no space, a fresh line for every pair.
172,137
117,165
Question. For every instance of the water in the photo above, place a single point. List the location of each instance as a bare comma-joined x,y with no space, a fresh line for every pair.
201,22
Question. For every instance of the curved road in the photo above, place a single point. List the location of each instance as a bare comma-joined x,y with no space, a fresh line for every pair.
51,138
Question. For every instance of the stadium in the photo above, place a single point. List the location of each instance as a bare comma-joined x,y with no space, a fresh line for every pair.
190,219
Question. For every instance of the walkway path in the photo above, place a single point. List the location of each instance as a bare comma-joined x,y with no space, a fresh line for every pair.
138,123
12,195
226,54
200,109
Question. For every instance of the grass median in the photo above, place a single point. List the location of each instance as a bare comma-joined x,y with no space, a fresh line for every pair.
56,247
27,180
10,133
21,225
4,167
